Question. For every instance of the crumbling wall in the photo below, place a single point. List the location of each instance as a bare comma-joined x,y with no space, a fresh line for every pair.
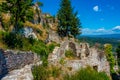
11,60
85,56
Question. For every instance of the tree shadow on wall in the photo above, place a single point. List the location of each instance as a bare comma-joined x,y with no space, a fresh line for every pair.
3,66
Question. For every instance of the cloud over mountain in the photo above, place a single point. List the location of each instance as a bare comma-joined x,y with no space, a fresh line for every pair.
88,31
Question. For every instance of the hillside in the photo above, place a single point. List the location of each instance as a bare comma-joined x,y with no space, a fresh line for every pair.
111,36
38,46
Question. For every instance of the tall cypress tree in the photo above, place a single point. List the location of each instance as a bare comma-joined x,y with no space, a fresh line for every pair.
68,21
20,11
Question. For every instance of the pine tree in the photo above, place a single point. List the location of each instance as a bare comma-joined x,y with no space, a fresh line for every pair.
75,25
20,11
68,21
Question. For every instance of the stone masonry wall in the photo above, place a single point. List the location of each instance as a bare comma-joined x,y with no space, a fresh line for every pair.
11,60
85,54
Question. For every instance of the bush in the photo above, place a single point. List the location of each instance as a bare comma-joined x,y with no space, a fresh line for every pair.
43,73
12,40
39,73
40,48
62,61
87,74
55,71
69,53
51,47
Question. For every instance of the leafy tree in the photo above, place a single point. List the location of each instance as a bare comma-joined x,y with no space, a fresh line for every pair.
118,53
68,21
109,55
20,11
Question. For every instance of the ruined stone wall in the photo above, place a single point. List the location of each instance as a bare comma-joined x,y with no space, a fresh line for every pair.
85,56
53,36
11,60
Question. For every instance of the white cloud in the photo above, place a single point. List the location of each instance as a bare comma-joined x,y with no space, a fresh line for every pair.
87,31
116,28
100,30
96,8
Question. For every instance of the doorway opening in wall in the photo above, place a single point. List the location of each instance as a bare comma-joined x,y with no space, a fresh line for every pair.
95,67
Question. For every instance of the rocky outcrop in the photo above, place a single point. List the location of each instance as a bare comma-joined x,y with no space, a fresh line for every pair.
11,60
53,36
28,33
20,74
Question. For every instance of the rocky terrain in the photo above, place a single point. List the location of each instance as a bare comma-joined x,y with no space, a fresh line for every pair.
11,60
17,65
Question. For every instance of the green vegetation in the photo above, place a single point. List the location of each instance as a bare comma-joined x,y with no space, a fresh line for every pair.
69,23
51,46
16,41
93,40
118,54
44,73
69,53
109,55
39,73
20,11
62,61
87,74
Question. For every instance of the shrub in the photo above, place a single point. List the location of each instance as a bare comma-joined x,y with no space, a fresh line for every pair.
69,53
62,61
87,74
55,71
12,40
40,48
43,73
51,47
39,31
39,73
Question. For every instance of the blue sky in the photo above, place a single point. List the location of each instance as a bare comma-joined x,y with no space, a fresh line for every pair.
97,16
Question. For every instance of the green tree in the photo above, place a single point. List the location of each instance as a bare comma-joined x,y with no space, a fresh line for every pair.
118,53
109,55
20,11
75,25
69,23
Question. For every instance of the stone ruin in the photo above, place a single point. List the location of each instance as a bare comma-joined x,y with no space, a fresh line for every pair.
85,56
43,18
11,60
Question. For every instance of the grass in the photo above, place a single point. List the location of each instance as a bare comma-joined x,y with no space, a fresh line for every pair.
69,54
87,74
45,73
